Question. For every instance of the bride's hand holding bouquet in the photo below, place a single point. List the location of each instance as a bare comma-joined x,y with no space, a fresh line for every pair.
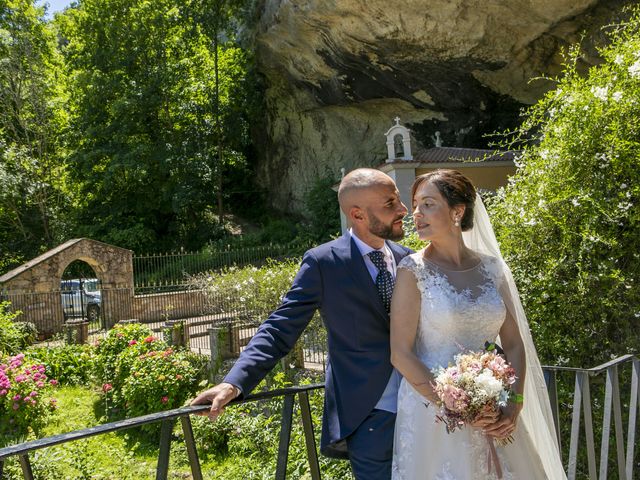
477,391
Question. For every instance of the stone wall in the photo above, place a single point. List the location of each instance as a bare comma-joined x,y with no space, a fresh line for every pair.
162,306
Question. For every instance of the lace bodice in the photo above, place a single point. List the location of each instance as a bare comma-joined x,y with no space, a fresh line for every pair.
460,310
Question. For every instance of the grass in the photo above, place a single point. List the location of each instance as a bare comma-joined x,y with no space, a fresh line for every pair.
127,455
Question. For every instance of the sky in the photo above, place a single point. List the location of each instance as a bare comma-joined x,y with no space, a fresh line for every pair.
55,6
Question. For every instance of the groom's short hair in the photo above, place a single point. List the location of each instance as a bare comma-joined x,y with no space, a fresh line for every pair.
360,179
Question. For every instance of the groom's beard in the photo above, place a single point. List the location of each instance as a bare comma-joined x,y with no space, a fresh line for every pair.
388,232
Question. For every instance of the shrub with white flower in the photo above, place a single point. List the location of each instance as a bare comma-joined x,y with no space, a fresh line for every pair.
250,289
568,223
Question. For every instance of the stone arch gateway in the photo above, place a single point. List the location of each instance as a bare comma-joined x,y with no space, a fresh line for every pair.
34,286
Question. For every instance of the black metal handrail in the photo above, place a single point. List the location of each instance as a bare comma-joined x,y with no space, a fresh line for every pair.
168,419
582,407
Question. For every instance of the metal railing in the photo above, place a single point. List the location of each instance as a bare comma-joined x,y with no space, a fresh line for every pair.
611,410
168,420
582,403
171,271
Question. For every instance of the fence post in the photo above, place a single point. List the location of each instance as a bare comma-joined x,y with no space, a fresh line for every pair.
285,437
633,415
309,438
192,452
176,333
77,332
162,470
219,345
552,387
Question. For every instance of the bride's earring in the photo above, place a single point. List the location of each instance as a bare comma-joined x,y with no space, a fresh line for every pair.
457,223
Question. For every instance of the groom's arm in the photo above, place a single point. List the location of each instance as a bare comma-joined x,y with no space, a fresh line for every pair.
273,340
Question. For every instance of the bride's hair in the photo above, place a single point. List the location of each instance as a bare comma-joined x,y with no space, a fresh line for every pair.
456,190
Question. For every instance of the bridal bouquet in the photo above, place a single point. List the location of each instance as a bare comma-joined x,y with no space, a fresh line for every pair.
478,381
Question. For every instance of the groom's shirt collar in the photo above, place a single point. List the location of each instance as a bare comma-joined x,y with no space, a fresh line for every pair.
365,249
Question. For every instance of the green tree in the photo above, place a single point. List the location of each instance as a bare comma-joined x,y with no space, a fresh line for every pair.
145,136
33,198
568,222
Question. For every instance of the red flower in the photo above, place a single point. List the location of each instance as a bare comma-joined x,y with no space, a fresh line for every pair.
149,339
107,387
132,342
164,399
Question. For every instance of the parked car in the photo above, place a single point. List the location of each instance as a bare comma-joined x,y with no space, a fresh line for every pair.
81,298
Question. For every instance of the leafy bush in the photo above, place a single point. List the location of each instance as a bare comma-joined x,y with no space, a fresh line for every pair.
124,367
323,210
24,397
119,338
14,336
159,380
69,364
567,223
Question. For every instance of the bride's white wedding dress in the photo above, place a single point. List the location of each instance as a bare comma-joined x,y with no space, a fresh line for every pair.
460,310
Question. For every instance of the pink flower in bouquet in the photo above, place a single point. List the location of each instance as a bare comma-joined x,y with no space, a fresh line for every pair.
498,365
454,398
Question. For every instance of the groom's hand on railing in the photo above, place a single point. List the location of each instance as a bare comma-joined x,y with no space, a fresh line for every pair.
218,396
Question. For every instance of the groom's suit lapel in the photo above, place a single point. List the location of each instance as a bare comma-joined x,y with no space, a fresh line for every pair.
398,252
347,252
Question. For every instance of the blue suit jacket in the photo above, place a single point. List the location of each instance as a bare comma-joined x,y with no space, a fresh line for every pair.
334,279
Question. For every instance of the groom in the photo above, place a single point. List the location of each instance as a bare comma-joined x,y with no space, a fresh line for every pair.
350,281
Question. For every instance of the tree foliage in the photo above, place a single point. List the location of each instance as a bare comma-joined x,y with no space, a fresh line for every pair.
33,197
147,121
568,222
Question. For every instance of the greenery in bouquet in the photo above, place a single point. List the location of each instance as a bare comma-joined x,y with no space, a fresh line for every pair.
25,397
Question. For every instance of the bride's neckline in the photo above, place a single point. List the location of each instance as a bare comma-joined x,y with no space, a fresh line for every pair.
428,260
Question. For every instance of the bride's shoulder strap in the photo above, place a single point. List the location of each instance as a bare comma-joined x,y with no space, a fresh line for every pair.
415,264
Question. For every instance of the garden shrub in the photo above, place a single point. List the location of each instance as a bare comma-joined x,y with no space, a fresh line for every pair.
119,338
69,364
159,380
25,401
14,336
322,208
568,222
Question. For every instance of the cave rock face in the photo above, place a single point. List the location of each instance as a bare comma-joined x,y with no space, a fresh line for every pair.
339,71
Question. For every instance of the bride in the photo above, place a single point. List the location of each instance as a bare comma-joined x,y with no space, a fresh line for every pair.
454,295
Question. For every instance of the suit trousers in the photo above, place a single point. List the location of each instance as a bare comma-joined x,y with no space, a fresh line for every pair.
371,446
